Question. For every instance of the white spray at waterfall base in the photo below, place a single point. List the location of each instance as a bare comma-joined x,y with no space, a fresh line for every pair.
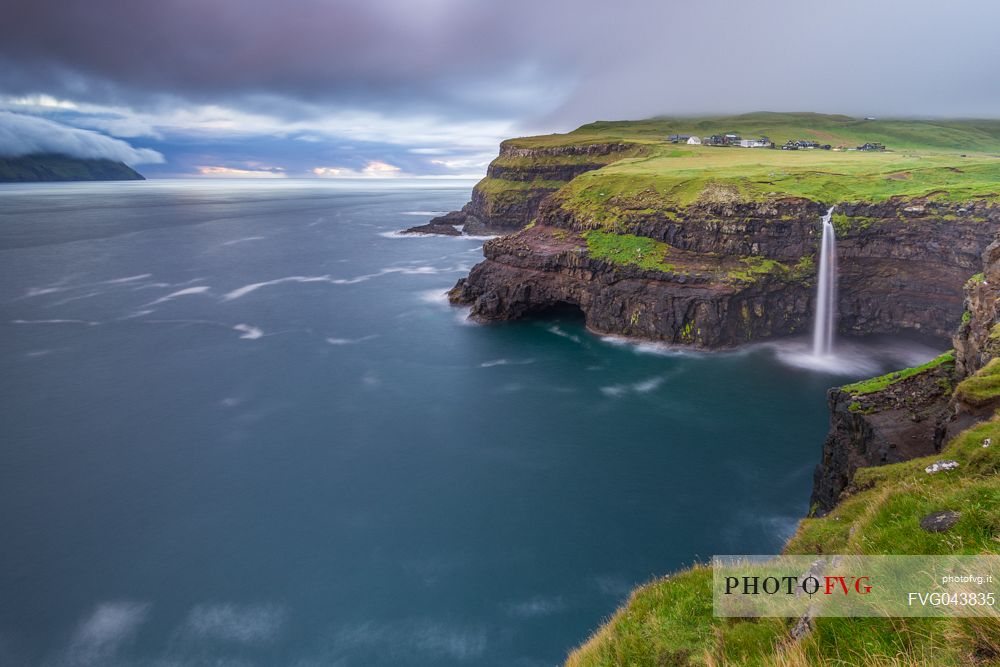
825,322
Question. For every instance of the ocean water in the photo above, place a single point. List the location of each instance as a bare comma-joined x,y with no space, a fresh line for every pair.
240,425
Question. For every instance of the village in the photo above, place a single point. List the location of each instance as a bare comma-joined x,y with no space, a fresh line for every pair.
734,140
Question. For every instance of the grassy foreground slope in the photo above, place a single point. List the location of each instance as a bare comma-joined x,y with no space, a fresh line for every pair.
670,622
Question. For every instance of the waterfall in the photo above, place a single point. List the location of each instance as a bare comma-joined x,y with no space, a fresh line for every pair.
826,292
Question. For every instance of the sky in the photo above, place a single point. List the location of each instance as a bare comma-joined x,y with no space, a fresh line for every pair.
395,88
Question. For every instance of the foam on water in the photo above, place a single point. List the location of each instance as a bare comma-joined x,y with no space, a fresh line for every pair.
249,332
854,358
253,287
506,362
187,291
245,239
399,234
349,341
557,330
56,321
438,296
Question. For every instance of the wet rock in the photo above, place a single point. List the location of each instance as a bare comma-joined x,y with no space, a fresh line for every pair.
431,228
444,224
939,522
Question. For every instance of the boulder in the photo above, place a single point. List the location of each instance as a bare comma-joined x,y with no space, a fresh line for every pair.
939,522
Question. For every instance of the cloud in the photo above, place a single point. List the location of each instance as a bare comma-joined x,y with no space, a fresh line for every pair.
509,59
337,84
234,172
25,135
374,169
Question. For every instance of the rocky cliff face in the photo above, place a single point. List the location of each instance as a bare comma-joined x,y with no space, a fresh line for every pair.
733,272
911,414
905,420
520,179
702,300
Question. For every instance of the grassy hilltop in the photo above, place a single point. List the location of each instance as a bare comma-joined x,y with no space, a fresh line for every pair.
955,160
947,136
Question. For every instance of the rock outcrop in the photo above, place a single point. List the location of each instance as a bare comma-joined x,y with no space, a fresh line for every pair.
916,411
904,420
520,179
704,301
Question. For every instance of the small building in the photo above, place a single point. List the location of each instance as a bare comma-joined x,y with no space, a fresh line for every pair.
731,139
678,138
763,142
714,140
872,146
694,141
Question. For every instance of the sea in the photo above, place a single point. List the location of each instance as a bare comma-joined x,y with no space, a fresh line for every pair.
240,424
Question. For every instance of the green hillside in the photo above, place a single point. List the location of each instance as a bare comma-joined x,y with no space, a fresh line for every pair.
952,160
49,167
977,136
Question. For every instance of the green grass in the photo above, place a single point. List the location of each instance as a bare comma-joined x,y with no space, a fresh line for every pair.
982,388
500,186
712,175
981,136
881,382
755,267
945,160
670,622
628,250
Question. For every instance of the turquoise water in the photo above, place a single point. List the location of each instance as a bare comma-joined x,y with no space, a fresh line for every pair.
241,425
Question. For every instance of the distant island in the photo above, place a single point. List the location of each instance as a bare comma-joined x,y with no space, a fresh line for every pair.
54,167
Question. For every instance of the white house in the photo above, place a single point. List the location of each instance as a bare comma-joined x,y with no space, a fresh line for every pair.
694,141
763,142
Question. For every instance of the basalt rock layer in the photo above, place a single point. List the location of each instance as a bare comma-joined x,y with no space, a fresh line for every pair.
731,272
911,413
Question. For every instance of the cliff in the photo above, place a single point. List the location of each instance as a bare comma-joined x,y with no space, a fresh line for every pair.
716,274
32,168
911,413
714,247
520,178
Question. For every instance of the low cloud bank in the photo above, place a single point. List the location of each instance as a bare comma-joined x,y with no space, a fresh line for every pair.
25,135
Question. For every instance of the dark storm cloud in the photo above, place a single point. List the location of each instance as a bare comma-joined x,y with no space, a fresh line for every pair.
430,53
514,58
431,86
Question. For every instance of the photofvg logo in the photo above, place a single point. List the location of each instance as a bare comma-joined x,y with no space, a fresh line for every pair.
790,585
793,586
